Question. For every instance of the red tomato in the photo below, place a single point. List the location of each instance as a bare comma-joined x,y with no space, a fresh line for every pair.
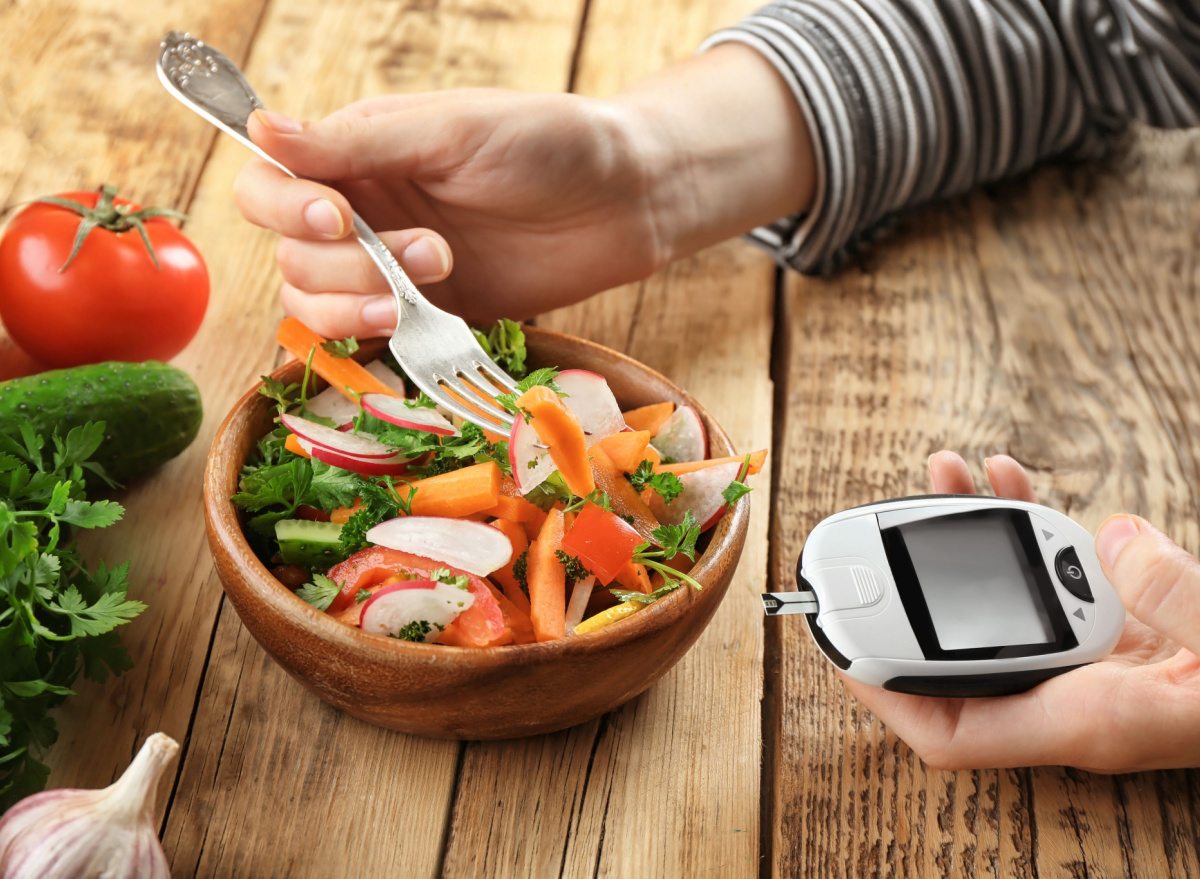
602,541
480,625
111,302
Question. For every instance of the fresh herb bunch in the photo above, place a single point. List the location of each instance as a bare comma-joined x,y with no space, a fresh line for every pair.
672,540
505,344
58,617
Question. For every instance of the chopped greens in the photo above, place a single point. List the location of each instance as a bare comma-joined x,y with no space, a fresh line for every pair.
642,598
737,489
520,571
57,615
458,581
340,348
362,595
573,567
597,497
414,631
320,593
505,344
545,376
666,485
421,401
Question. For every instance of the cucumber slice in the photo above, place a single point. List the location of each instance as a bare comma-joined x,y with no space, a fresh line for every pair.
312,544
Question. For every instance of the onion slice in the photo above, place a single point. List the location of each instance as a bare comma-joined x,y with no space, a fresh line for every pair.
394,411
460,543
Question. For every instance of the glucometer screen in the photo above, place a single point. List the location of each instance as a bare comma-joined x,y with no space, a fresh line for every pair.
976,585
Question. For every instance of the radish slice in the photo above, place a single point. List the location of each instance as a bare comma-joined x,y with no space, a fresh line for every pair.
592,401
393,607
701,494
380,370
397,465
682,437
530,464
394,411
358,445
460,543
577,606
334,405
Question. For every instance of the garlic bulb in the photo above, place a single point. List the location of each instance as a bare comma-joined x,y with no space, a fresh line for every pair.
91,834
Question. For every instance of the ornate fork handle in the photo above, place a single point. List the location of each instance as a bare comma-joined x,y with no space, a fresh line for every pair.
214,87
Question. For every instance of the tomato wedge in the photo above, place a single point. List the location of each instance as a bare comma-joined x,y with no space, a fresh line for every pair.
480,625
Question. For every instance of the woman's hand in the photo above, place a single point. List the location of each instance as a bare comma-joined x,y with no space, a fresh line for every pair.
1137,709
535,200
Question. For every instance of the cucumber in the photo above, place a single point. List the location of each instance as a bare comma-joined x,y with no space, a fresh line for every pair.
151,411
312,544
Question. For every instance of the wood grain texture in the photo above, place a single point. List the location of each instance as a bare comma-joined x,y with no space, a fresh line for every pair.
239,809
1050,319
668,785
82,106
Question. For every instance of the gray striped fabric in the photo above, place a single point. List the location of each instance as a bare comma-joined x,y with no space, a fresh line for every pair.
914,100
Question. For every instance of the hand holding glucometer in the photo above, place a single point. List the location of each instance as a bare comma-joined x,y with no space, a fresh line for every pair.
992,631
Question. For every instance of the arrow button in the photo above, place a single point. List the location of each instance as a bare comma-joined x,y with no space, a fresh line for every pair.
1079,613
1049,535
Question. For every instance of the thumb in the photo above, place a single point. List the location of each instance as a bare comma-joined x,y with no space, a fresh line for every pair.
344,146
1158,582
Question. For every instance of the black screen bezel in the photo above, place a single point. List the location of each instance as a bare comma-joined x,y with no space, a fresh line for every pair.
912,596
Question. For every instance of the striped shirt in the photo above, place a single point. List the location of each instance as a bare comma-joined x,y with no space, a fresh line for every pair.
909,101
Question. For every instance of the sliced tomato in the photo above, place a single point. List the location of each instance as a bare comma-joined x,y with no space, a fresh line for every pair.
480,625
602,541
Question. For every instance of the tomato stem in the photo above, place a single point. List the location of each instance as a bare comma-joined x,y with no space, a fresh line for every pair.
111,216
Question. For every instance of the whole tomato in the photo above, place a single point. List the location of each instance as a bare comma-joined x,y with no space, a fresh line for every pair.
133,288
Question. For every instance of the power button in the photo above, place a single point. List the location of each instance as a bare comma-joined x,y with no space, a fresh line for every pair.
1070,572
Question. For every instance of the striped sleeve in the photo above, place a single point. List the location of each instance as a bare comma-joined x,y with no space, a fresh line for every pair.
910,101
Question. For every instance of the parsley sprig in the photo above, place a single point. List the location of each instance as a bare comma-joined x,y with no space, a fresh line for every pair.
672,540
666,485
505,344
545,376
56,616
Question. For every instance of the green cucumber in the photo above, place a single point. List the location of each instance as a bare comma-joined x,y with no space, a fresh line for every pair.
312,544
151,411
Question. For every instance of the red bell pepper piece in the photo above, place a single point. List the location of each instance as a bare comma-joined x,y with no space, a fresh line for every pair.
602,541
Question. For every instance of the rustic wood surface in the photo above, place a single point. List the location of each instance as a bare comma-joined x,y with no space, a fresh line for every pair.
1051,319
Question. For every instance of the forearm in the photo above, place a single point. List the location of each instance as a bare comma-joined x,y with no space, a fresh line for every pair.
724,144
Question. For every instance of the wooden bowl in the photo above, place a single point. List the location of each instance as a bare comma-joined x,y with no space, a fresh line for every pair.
459,692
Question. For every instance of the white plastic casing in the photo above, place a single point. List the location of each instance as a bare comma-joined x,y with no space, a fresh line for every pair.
864,619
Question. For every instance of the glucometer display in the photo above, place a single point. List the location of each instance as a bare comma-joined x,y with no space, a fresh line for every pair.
976,582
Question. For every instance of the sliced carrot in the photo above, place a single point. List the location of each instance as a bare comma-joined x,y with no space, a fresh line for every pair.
548,581
515,619
534,526
512,505
292,444
624,497
558,428
568,521
492,436
341,515
651,454
757,459
505,576
635,578
344,374
627,448
457,493
649,418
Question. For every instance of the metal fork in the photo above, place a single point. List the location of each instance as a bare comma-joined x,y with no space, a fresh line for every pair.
436,349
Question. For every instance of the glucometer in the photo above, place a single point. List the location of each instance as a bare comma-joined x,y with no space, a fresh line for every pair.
953,595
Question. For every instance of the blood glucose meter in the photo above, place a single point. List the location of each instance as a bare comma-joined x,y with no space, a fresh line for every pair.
953,595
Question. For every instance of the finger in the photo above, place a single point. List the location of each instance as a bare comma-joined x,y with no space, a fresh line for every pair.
356,143
948,474
345,266
1158,582
295,208
1009,479
338,315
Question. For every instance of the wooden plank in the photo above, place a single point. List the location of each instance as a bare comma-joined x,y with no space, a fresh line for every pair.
274,782
668,785
82,106
1051,320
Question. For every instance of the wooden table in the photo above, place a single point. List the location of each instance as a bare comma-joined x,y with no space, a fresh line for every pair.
1053,319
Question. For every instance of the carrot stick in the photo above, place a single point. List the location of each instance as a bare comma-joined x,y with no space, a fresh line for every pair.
534,526
457,493
547,581
649,418
625,499
557,427
651,454
341,515
513,506
634,578
505,576
292,444
756,463
516,619
627,449
344,374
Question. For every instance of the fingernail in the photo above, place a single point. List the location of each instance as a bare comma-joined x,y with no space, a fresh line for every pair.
1114,535
380,312
426,258
323,217
279,122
